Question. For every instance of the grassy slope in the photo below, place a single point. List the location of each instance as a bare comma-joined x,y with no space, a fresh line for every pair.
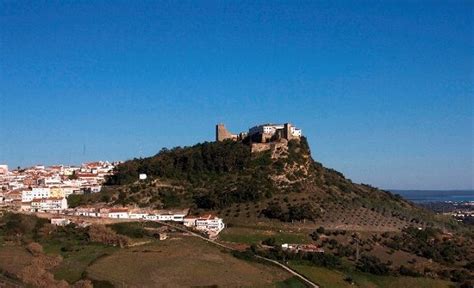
14,258
75,262
252,236
335,279
183,262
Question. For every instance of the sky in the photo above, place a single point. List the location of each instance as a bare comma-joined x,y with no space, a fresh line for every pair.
383,90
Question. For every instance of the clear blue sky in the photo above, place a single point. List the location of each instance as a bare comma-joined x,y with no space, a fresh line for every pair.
383,90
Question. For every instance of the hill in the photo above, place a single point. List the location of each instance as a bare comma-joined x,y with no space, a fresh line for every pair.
279,194
281,182
275,193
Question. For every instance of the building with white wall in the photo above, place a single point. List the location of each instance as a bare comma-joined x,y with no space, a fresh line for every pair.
60,221
35,193
3,169
267,132
208,223
51,204
119,213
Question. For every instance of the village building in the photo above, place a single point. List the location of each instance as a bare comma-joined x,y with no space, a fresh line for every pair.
151,217
87,211
308,248
171,215
56,191
51,204
208,223
138,214
3,169
119,213
35,193
60,221
190,221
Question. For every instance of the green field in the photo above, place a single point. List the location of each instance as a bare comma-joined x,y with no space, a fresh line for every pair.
293,282
76,261
255,236
335,279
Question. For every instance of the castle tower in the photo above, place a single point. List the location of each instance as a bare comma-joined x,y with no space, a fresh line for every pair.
287,131
222,133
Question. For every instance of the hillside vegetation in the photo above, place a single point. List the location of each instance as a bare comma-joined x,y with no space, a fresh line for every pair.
281,195
282,183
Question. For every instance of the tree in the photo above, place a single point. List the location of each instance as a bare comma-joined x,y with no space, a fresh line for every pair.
273,210
320,230
269,241
372,264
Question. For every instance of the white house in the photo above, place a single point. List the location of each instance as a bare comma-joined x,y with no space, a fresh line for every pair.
35,193
164,217
208,223
137,214
190,221
174,215
52,181
121,213
151,217
67,190
3,169
60,221
87,211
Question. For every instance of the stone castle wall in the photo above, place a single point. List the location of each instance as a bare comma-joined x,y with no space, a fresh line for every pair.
223,134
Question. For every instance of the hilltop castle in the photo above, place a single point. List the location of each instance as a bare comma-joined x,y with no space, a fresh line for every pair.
263,133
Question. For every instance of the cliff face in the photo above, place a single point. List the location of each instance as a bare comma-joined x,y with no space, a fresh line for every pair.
281,181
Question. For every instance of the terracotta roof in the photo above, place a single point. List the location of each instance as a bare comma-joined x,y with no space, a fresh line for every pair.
118,210
46,199
206,216
86,175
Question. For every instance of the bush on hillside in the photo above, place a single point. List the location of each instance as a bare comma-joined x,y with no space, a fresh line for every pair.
372,264
105,235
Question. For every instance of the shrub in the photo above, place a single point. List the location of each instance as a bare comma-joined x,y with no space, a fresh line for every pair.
129,229
372,264
269,241
405,271
314,236
105,235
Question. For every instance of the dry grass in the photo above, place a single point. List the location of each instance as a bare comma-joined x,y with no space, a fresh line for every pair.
335,279
14,258
182,263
